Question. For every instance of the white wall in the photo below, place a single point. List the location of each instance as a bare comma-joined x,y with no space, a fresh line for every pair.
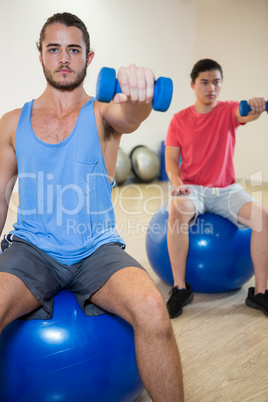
156,34
168,36
235,33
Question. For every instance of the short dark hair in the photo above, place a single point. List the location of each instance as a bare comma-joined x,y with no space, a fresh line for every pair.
69,20
204,65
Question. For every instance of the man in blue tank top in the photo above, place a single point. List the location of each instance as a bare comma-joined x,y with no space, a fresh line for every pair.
63,147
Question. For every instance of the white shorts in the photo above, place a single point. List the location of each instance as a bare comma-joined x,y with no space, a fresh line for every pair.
225,202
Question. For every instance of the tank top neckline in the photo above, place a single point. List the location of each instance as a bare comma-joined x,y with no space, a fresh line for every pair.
68,138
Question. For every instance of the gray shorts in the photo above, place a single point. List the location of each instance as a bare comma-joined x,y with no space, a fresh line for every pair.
45,277
225,202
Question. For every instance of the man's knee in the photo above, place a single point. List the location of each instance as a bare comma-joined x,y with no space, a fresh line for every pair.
181,209
259,220
181,212
152,314
265,218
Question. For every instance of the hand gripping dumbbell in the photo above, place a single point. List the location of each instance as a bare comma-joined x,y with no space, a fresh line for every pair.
108,86
244,108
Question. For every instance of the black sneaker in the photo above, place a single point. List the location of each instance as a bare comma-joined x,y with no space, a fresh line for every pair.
259,301
178,299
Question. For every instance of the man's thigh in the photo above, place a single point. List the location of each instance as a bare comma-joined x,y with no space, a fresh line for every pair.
230,204
95,271
251,215
126,292
30,273
16,299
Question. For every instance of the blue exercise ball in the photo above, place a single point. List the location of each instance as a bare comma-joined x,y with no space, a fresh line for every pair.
219,257
70,357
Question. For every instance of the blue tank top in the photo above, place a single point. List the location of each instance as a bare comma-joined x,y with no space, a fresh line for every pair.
65,205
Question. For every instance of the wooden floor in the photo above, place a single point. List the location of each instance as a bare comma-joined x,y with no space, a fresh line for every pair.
223,343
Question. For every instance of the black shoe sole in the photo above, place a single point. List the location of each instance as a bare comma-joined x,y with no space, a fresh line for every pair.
187,301
251,304
176,315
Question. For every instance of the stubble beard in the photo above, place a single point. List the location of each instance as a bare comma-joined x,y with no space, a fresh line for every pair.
65,86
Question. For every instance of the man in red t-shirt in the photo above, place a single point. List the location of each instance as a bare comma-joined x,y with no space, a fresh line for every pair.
203,136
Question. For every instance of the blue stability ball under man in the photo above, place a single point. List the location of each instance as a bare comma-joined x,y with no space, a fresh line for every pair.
70,357
219,253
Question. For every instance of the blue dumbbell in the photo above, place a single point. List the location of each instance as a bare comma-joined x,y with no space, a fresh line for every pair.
244,108
108,86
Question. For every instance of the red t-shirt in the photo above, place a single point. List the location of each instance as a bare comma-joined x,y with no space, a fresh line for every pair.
207,144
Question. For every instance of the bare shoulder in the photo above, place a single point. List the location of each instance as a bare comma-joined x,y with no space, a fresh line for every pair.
11,117
8,125
8,161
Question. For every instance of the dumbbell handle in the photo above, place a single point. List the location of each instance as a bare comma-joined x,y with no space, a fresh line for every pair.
108,86
244,108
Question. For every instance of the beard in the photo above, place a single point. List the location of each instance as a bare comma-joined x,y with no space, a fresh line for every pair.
62,85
